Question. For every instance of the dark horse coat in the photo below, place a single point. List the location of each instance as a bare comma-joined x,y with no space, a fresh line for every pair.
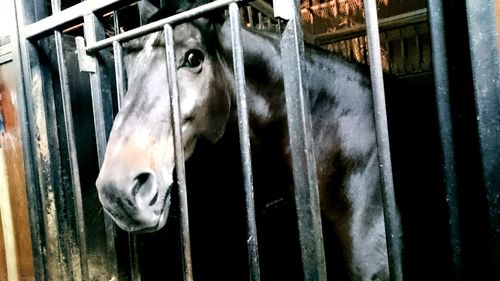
135,180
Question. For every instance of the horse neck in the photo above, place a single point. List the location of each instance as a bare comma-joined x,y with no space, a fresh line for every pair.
263,74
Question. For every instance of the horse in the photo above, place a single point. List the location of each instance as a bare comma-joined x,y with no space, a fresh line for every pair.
136,179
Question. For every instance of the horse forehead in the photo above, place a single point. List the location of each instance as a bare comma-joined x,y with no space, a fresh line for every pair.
187,32
145,64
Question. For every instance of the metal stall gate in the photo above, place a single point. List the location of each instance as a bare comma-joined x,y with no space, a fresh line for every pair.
69,231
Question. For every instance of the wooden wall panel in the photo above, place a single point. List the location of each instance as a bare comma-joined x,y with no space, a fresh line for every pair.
3,261
18,252
498,22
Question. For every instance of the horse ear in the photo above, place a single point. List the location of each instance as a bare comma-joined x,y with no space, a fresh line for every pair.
146,11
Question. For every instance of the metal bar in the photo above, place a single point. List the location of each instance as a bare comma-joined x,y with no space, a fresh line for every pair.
418,48
446,132
120,94
44,118
402,45
250,16
485,65
157,25
119,73
42,132
261,20
264,7
69,15
116,22
103,115
302,150
246,158
103,119
179,151
268,23
25,89
392,223
79,258
73,159
134,258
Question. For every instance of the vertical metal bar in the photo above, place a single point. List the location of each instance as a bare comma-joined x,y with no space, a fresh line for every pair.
134,258
446,132
302,149
179,151
43,146
119,72
418,49
485,64
403,51
103,119
239,73
116,22
39,105
24,90
392,223
75,173
103,115
79,259
261,20
387,51
120,92
250,16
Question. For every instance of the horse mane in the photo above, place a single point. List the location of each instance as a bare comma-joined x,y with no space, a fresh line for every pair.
177,6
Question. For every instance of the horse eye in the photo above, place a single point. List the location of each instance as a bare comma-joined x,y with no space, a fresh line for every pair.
193,58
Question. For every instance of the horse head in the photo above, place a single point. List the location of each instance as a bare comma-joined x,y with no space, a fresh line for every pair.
137,174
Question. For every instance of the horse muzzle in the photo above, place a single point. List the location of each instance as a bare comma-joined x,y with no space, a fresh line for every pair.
136,204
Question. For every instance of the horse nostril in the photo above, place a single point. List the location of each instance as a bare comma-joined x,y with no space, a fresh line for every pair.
144,188
139,181
153,201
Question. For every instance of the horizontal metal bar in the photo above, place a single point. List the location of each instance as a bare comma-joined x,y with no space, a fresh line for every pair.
68,15
158,25
414,17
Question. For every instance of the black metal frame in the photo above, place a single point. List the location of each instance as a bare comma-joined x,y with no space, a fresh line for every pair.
50,157
466,71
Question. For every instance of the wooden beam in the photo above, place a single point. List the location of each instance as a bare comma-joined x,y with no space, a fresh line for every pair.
418,16
263,7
